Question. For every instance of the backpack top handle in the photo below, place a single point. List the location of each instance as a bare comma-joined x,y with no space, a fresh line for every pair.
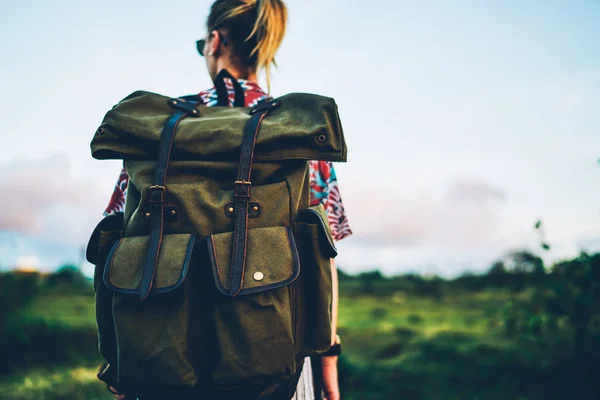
223,93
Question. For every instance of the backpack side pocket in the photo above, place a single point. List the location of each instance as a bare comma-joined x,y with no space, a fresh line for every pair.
105,235
314,287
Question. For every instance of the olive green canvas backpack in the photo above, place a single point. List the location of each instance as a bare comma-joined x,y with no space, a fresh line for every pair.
217,274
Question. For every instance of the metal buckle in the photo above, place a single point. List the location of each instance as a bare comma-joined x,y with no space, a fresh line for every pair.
156,189
242,194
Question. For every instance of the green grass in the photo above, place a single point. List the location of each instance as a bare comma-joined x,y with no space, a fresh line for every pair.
395,346
455,347
370,325
76,311
64,383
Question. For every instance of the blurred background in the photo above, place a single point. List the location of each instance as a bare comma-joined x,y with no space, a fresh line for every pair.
473,135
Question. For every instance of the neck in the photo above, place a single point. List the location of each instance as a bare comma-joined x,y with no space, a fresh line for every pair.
238,73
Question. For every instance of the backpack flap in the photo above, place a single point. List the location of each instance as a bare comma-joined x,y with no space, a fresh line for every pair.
123,270
303,127
271,259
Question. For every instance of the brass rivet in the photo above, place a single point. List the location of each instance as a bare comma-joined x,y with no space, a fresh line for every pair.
322,138
255,208
173,212
230,209
258,276
147,214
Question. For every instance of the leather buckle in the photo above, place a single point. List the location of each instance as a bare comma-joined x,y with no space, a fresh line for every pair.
156,194
242,190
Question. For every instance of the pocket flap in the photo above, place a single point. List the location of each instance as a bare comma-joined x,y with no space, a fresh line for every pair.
112,224
123,271
271,259
317,216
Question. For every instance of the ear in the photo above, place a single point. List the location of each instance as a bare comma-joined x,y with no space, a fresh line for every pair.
214,43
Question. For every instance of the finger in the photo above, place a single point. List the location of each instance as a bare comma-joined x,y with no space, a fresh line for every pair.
333,395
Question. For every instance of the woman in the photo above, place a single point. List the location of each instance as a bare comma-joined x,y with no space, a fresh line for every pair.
243,37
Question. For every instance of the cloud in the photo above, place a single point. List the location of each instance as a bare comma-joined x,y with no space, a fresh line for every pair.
48,253
472,192
28,262
467,214
41,197
589,243
378,216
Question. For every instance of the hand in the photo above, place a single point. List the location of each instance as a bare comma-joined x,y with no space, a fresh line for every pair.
330,378
118,396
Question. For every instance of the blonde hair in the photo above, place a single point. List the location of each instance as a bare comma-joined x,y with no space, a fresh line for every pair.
255,29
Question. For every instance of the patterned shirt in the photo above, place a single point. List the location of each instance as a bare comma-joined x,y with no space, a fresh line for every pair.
324,187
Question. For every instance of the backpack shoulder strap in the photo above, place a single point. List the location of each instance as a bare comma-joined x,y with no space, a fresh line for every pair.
241,194
156,192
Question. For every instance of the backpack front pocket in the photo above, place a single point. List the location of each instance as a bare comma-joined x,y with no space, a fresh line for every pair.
254,330
152,335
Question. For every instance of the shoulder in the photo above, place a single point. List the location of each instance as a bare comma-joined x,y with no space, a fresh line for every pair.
253,92
324,169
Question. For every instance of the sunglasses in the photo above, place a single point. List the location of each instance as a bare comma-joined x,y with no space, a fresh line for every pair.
202,42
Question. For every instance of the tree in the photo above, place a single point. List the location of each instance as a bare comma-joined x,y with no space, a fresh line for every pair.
525,262
497,268
70,276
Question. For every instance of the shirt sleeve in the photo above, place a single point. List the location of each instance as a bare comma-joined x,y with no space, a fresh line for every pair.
324,189
117,200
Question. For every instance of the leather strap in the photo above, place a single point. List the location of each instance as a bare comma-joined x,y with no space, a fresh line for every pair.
223,93
156,192
241,195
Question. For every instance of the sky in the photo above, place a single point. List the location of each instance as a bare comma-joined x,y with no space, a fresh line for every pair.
466,121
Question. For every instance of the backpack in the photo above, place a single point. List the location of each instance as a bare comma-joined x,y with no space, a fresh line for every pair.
216,277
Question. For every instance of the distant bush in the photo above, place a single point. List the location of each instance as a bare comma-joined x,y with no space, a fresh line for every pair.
69,278
17,289
564,312
390,351
378,313
414,319
25,343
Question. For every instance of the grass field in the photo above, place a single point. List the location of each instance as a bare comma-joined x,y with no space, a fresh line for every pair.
54,383
423,348
527,334
76,311
397,345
